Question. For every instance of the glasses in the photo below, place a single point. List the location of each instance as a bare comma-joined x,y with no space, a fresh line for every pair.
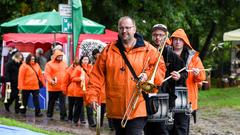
160,35
127,28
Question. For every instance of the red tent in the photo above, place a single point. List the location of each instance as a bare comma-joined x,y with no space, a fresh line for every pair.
30,42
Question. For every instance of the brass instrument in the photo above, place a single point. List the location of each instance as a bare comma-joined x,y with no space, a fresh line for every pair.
133,101
149,85
7,92
132,105
20,101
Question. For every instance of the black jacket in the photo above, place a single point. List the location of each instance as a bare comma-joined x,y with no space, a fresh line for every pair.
173,63
11,73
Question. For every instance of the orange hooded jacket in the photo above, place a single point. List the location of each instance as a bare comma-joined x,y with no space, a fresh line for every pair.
76,84
67,81
111,69
193,61
54,69
27,78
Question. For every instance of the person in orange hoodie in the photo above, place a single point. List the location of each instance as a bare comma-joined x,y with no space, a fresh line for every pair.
70,92
111,69
86,69
54,74
29,75
183,48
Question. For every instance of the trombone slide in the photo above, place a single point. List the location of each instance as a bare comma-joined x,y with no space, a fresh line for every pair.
131,106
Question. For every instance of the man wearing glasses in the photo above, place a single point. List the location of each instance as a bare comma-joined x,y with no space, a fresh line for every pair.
111,69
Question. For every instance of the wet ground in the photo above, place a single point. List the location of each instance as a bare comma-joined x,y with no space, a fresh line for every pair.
225,121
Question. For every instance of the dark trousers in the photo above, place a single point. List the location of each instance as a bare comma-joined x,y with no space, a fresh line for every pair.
78,104
13,97
25,95
90,116
156,128
70,107
82,115
103,110
133,127
181,124
53,96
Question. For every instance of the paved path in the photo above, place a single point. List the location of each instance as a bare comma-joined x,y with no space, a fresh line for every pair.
10,130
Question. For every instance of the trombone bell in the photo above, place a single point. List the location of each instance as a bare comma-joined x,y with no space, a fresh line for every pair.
148,87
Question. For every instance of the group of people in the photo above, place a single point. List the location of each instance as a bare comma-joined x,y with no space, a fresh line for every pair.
61,81
112,69
111,82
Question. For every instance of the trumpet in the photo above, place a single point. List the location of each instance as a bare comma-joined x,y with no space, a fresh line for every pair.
7,92
149,85
20,101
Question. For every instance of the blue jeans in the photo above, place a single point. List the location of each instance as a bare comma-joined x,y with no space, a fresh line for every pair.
133,127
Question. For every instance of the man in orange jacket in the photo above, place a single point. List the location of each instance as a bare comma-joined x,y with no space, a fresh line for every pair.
54,72
196,74
111,69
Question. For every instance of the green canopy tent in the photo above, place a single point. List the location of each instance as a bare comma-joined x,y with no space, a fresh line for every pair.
46,22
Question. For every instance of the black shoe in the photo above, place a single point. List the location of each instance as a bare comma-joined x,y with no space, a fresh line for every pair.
83,122
7,108
49,118
93,125
112,129
38,115
64,119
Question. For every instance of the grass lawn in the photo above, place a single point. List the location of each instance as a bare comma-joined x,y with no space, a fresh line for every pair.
12,122
220,98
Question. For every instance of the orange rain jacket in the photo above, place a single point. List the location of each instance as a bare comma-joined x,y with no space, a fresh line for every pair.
102,99
67,81
193,61
27,78
54,69
76,83
119,84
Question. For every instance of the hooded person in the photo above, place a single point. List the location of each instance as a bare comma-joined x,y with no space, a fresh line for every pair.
173,64
196,74
54,74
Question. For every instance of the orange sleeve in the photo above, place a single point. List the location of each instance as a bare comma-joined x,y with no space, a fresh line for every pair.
202,75
161,69
40,75
47,72
76,74
21,75
97,78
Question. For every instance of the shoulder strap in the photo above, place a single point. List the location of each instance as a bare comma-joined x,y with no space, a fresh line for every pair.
120,47
34,71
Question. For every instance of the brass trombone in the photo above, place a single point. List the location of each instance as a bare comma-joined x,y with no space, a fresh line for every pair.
20,101
133,101
7,92
149,85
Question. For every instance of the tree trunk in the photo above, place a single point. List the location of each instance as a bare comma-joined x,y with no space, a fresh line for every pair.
208,41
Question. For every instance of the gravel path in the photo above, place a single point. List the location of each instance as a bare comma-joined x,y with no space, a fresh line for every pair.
225,121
